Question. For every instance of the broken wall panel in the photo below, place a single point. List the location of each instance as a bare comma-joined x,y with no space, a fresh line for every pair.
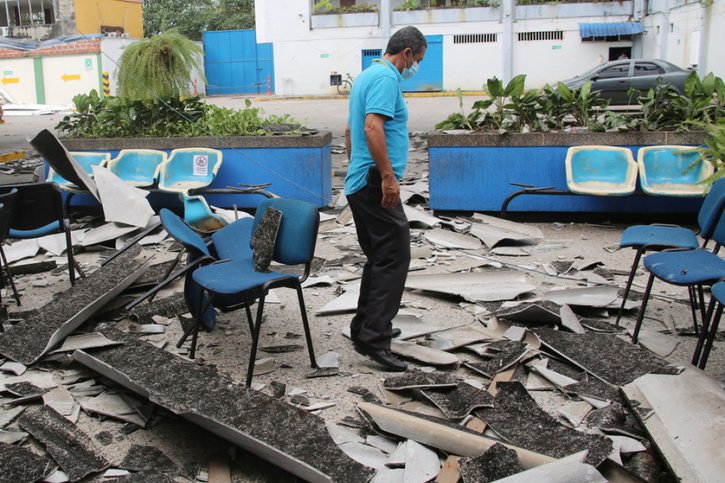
70,447
474,286
282,434
28,340
21,464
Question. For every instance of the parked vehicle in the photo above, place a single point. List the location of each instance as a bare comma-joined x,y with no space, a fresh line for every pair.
613,79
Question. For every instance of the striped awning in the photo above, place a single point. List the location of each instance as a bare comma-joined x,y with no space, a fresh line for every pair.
611,29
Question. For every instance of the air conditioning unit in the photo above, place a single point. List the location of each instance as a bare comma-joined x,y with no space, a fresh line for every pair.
4,31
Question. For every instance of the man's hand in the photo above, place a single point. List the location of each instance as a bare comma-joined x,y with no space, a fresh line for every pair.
391,192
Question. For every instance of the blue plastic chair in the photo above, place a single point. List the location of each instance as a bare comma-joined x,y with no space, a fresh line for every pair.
693,269
710,326
235,283
188,169
672,171
644,238
600,171
138,167
86,160
198,214
7,209
39,212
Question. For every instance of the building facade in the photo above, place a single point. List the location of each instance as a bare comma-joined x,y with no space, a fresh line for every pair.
475,40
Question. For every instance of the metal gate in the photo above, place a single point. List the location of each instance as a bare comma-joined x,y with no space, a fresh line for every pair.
368,55
235,63
430,74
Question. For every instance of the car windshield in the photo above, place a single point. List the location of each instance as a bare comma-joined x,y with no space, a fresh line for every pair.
590,71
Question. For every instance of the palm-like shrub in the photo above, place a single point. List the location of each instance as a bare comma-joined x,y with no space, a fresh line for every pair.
159,67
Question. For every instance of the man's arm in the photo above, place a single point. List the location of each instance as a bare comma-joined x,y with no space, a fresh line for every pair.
375,136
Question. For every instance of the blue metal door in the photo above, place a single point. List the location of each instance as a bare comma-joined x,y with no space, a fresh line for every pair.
430,74
368,55
235,63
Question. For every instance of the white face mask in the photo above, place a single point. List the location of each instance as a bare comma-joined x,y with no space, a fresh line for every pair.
409,72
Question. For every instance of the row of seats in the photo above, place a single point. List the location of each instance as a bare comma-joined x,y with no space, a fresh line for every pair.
181,171
612,171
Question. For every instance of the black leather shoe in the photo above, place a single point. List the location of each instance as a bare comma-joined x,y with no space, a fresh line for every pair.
382,357
396,333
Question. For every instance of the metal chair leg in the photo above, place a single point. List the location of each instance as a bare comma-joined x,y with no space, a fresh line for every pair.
197,321
711,337
640,316
306,324
255,340
10,276
248,310
693,305
703,332
629,284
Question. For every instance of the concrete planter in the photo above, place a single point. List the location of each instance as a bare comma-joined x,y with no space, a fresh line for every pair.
298,167
446,15
342,20
474,172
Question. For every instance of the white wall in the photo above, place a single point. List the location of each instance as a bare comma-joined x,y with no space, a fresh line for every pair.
715,57
467,66
20,70
81,73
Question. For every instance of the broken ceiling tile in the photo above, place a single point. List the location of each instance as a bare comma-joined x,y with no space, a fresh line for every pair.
71,448
419,380
449,239
412,326
463,335
55,244
114,406
626,445
436,434
329,359
364,454
569,320
121,202
281,349
21,249
543,312
245,417
589,296
154,239
347,302
265,365
12,437
535,382
496,463
397,457
421,463
106,232
147,458
517,418
384,444
61,400
574,412
393,398
39,379
475,286
19,464
341,435
565,470
515,333
345,216
602,355
557,379
507,354
7,415
686,422
422,353
27,341
510,252
418,217
656,342
459,402
601,326
389,475
492,231
318,281
422,409
13,367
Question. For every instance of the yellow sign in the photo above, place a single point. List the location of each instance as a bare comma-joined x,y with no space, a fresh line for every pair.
70,77
11,80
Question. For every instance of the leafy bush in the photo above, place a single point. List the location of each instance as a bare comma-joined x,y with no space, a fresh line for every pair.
104,117
512,108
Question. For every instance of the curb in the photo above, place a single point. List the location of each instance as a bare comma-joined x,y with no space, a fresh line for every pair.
337,96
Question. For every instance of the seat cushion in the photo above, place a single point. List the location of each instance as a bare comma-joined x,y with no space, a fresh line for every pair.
687,267
234,277
232,241
662,236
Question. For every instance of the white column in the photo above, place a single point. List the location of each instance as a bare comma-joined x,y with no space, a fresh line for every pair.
507,12
385,19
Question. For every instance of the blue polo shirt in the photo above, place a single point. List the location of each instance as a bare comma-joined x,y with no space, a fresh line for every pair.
377,91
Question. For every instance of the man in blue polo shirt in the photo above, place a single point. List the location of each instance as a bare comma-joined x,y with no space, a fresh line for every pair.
377,146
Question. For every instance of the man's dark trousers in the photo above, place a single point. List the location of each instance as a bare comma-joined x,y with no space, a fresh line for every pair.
384,237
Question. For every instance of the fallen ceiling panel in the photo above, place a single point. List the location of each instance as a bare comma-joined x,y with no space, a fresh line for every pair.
347,302
449,239
287,436
420,217
492,231
588,297
474,286
423,354
28,340
686,421
122,203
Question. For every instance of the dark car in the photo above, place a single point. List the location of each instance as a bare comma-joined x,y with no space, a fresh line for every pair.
614,79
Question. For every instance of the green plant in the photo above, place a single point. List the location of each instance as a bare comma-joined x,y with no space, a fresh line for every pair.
408,5
322,6
461,120
158,67
713,151
359,8
101,117
583,105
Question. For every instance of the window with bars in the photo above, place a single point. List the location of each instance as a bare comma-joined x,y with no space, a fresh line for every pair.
544,35
474,38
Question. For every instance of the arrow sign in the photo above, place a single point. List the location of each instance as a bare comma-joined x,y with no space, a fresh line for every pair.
70,77
11,80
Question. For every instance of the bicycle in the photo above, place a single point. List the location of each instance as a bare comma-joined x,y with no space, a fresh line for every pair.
345,85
